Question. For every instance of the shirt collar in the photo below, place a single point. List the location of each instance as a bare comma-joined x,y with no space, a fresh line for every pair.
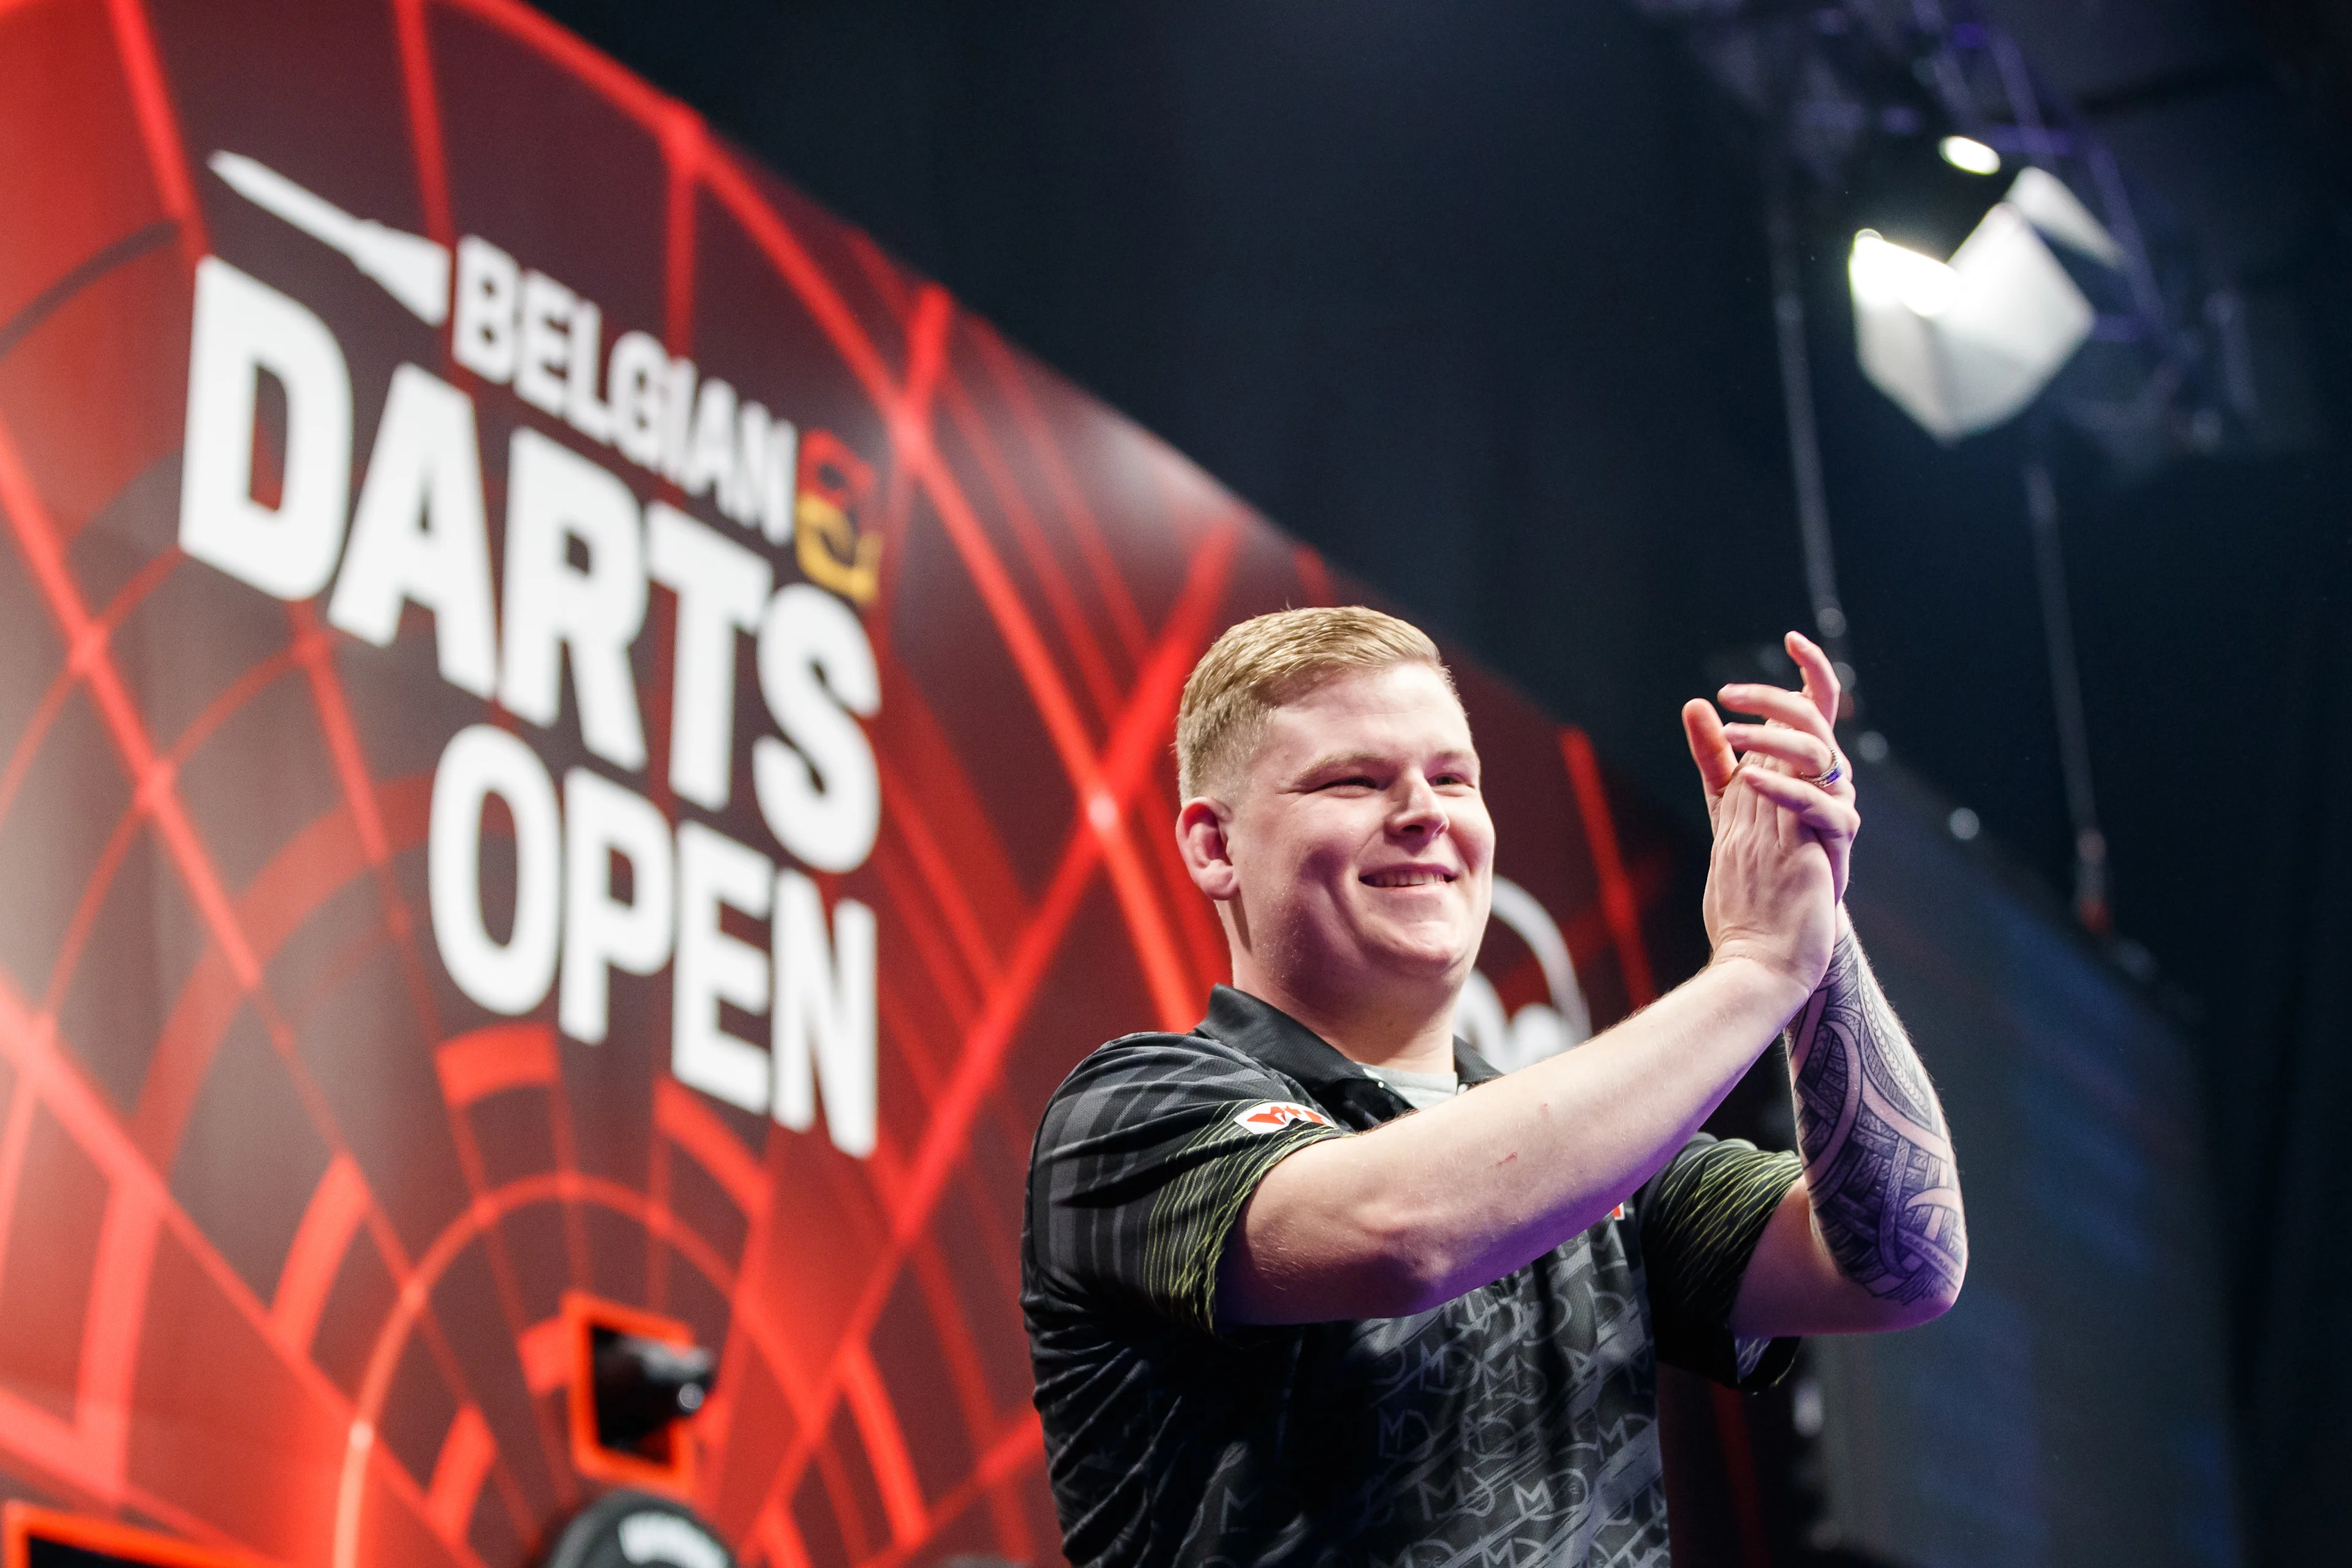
1289,1047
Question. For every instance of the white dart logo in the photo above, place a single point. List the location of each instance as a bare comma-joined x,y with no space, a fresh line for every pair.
411,268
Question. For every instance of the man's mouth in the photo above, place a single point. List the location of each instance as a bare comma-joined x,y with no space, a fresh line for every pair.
1406,877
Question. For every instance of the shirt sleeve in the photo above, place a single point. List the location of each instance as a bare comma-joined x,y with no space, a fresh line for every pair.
1142,1163
1700,1219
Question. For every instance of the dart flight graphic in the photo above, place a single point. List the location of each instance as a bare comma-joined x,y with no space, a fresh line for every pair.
411,268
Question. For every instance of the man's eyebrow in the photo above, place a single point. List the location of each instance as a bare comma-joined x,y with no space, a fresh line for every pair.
1343,760
1337,760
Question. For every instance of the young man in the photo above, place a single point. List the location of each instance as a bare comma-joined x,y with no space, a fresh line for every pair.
1313,1285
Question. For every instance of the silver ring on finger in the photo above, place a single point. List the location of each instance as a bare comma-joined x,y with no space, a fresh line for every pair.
1831,774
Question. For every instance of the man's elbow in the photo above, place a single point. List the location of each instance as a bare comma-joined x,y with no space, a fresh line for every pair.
1938,1255
1945,1294
1941,1294
1409,1264
1376,1254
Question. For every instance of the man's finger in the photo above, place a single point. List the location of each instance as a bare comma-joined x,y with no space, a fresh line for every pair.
1811,804
1821,686
1810,755
1735,807
1703,729
1789,826
1793,708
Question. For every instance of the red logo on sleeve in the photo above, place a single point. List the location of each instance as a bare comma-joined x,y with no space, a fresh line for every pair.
1274,1115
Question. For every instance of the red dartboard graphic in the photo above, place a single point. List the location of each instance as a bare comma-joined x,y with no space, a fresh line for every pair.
289,1220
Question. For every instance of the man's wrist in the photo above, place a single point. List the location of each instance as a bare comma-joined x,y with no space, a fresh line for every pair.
1770,985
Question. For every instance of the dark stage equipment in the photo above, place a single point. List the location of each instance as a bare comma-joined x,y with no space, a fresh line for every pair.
642,1385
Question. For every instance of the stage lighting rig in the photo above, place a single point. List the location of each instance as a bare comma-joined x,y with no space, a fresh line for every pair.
1963,345
636,1381
2115,327
643,1384
1868,96
1969,153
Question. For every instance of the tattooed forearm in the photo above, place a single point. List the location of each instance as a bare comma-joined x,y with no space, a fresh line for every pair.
1878,1158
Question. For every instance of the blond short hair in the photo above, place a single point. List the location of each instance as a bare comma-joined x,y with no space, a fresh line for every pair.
1262,663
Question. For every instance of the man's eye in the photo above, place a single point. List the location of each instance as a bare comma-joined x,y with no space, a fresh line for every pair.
1353,781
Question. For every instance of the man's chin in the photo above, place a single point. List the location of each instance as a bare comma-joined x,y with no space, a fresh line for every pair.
1383,957
1436,961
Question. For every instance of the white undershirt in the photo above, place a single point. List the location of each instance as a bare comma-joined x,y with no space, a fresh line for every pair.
1419,1089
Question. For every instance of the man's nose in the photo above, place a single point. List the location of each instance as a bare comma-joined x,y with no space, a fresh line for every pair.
1420,812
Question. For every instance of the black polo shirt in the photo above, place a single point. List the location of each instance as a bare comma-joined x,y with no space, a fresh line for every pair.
1515,1424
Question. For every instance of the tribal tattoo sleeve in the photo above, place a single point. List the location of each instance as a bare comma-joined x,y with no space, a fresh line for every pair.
1878,1157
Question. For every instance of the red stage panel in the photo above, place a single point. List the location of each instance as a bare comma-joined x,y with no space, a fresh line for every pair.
291,1200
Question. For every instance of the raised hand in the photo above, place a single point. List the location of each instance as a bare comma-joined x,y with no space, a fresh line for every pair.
1794,752
1769,885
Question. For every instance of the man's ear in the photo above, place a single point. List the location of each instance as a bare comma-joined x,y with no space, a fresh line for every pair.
1200,839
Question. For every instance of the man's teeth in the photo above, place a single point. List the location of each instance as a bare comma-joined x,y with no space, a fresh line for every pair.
1406,879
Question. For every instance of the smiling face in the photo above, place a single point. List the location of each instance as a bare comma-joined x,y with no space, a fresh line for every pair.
1361,853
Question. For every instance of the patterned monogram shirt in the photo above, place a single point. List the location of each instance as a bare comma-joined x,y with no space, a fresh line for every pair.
1515,1424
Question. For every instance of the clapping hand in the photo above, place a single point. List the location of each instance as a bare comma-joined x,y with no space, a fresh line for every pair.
1793,753
1784,819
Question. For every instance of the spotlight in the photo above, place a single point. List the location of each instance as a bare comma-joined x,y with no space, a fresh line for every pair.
637,1380
1963,345
1884,273
1966,153
643,1384
2042,200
